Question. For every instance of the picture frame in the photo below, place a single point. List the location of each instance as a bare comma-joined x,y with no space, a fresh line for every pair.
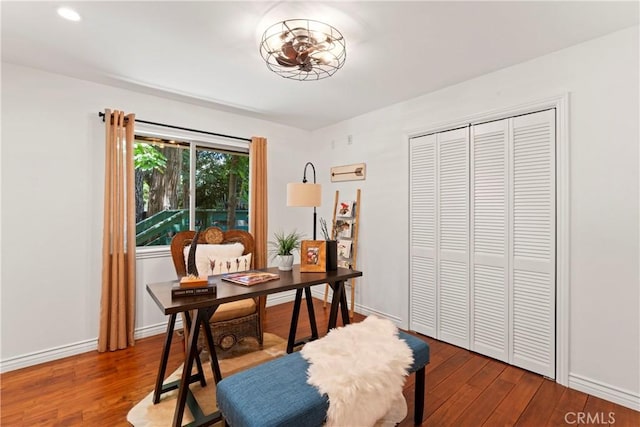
313,256
345,208
344,228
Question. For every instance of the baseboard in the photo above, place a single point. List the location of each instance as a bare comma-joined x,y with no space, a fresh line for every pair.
605,391
359,308
48,355
43,356
280,298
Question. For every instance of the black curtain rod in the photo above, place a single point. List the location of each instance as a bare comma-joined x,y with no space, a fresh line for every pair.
100,114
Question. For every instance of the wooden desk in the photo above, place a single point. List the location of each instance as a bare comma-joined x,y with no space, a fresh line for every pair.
205,306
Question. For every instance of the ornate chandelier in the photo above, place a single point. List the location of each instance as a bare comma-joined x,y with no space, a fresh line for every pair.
303,49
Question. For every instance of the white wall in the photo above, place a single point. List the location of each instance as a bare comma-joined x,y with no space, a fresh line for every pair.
52,197
601,77
52,167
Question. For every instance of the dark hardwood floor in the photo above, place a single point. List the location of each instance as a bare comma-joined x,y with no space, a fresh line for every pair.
463,388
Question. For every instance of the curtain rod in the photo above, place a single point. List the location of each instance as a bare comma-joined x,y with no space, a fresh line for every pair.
101,114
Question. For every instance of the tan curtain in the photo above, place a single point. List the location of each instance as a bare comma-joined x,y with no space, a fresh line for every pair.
117,305
258,205
258,210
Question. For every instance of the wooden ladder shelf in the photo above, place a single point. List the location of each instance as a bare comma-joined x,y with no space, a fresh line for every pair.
353,258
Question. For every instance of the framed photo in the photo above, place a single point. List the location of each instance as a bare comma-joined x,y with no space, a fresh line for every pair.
345,208
313,256
344,228
344,248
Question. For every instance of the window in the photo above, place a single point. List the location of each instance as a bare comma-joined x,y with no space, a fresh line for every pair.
169,171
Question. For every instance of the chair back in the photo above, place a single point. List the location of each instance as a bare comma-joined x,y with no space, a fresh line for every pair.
213,236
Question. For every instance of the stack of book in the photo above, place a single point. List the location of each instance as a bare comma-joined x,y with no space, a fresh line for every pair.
205,288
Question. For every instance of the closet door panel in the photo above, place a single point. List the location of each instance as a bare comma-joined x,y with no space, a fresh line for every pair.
422,224
489,239
533,240
453,236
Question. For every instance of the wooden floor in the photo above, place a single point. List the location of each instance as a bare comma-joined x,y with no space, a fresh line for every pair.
463,388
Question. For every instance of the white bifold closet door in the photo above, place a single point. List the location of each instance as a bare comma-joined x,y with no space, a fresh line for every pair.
440,235
533,243
489,275
482,225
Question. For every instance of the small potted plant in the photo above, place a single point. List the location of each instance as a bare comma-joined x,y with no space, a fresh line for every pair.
283,247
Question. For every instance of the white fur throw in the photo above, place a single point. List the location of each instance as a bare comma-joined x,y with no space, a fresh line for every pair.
361,368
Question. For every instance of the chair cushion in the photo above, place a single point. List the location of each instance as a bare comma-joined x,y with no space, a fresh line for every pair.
274,394
235,309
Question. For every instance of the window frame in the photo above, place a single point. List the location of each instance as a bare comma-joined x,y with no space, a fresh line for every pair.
195,140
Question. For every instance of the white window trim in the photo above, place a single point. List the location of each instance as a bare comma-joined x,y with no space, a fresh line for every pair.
195,139
563,273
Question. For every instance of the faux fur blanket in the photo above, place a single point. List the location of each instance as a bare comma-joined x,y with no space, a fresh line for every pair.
361,368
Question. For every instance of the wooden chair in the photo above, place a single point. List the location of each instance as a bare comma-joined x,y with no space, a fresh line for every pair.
233,321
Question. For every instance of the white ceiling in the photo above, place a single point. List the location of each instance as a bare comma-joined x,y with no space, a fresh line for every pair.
207,52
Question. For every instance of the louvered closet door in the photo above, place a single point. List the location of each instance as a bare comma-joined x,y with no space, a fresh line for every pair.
533,242
452,271
423,308
489,239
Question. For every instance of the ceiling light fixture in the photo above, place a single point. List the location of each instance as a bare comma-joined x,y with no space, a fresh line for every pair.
303,49
69,14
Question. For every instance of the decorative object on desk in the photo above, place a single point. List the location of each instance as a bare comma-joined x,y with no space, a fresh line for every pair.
305,194
243,355
313,256
354,172
249,278
332,247
192,279
283,247
324,230
332,255
345,208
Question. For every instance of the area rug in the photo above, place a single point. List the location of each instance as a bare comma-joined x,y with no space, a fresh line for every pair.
242,356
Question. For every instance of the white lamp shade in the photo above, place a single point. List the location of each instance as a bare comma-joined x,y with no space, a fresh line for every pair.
304,194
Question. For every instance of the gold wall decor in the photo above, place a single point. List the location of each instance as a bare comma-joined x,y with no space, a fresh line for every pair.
355,172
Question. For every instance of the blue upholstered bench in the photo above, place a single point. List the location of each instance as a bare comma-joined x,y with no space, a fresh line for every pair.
276,393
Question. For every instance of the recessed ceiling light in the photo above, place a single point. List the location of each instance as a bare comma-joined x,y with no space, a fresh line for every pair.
68,13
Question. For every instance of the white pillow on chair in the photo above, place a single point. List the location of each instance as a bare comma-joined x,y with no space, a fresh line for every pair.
207,252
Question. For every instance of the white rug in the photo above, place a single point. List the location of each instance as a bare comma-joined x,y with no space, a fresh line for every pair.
361,368
242,356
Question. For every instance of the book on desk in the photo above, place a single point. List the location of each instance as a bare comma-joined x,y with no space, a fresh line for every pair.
207,289
250,277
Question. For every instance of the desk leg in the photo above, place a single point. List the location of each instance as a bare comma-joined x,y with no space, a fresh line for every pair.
165,358
192,353
203,381
213,356
338,291
343,305
294,321
312,313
